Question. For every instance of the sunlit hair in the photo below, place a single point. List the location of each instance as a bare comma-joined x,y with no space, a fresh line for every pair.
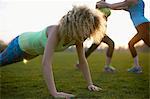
81,23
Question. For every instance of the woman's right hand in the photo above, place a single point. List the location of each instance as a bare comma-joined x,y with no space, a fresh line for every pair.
94,88
63,95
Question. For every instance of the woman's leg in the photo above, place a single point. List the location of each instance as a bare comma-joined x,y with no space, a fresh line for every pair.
132,49
106,40
11,54
143,34
144,30
91,50
110,49
109,53
132,42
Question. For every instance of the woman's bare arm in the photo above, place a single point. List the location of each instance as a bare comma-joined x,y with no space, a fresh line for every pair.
83,63
47,60
47,63
84,67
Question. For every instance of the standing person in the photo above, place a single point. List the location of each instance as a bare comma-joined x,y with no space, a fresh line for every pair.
106,39
142,25
74,27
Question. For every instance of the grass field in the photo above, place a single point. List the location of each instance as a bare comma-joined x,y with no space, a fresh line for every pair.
25,81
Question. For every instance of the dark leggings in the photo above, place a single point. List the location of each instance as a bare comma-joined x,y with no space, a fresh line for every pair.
106,40
143,34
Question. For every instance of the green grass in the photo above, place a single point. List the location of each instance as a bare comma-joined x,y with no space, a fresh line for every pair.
25,81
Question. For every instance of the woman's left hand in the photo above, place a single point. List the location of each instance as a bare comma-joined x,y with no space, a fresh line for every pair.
94,88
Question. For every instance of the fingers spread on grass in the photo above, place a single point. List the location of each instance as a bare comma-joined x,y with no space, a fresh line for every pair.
64,95
94,88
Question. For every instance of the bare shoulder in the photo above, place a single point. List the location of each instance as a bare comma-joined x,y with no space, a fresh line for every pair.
51,29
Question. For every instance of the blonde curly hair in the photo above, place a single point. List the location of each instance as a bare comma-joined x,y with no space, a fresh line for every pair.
81,23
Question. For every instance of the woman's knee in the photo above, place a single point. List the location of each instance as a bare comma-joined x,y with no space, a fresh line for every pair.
111,44
130,44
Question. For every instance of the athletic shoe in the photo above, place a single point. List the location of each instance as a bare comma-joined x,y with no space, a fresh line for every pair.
109,69
135,69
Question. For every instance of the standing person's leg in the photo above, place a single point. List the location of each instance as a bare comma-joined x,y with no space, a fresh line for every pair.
143,34
131,44
109,53
144,29
136,67
91,50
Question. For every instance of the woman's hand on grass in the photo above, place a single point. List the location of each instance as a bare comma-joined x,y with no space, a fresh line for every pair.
94,88
63,95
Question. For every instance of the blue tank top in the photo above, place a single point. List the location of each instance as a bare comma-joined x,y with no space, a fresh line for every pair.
137,13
